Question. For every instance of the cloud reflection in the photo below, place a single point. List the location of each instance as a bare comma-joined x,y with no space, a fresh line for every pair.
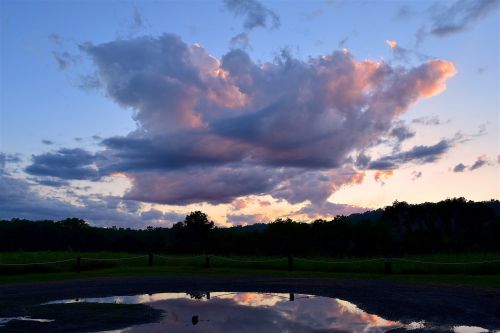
251,312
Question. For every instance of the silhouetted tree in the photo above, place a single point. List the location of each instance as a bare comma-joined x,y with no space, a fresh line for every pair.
452,225
195,233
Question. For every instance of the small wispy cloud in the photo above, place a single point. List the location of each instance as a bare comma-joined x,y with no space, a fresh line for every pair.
416,175
479,163
255,14
429,121
47,142
449,18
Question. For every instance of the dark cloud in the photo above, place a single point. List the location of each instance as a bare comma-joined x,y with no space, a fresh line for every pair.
51,182
137,19
399,133
255,14
416,175
47,142
65,164
479,163
429,121
314,14
135,25
240,41
88,82
404,12
212,185
6,159
9,158
342,43
212,130
362,160
381,176
402,132
418,155
482,129
64,59
459,167
55,39
170,152
455,17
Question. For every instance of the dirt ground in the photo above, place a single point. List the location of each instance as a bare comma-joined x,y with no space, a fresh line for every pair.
438,305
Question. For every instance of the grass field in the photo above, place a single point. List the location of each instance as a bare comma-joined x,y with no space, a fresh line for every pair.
429,268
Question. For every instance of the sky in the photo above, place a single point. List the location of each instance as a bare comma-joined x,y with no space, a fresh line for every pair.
132,114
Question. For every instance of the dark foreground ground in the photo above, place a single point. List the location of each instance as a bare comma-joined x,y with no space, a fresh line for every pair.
438,305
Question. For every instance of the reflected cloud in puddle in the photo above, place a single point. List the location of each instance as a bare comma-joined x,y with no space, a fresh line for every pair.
249,312
4,321
257,312
469,329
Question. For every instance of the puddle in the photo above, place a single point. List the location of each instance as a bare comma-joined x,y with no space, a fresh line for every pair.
249,312
469,329
254,312
4,321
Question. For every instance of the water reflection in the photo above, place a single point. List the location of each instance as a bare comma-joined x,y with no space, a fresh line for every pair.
258,312
250,312
468,329
4,321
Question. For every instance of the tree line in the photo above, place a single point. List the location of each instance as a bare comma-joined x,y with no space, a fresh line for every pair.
451,226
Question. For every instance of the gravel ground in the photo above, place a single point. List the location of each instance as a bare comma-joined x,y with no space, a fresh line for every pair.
439,305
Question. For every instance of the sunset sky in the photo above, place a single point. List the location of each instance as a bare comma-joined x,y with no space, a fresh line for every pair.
131,114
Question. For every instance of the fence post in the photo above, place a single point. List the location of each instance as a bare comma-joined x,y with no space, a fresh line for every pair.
388,265
78,260
207,261
150,260
292,297
290,263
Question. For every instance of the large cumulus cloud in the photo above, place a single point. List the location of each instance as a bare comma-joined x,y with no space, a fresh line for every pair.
211,130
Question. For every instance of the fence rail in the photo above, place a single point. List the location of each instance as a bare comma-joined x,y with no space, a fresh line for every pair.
36,263
291,262
114,259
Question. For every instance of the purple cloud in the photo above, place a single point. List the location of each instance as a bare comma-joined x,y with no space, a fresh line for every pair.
418,154
479,163
460,15
211,130
460,167
66,164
